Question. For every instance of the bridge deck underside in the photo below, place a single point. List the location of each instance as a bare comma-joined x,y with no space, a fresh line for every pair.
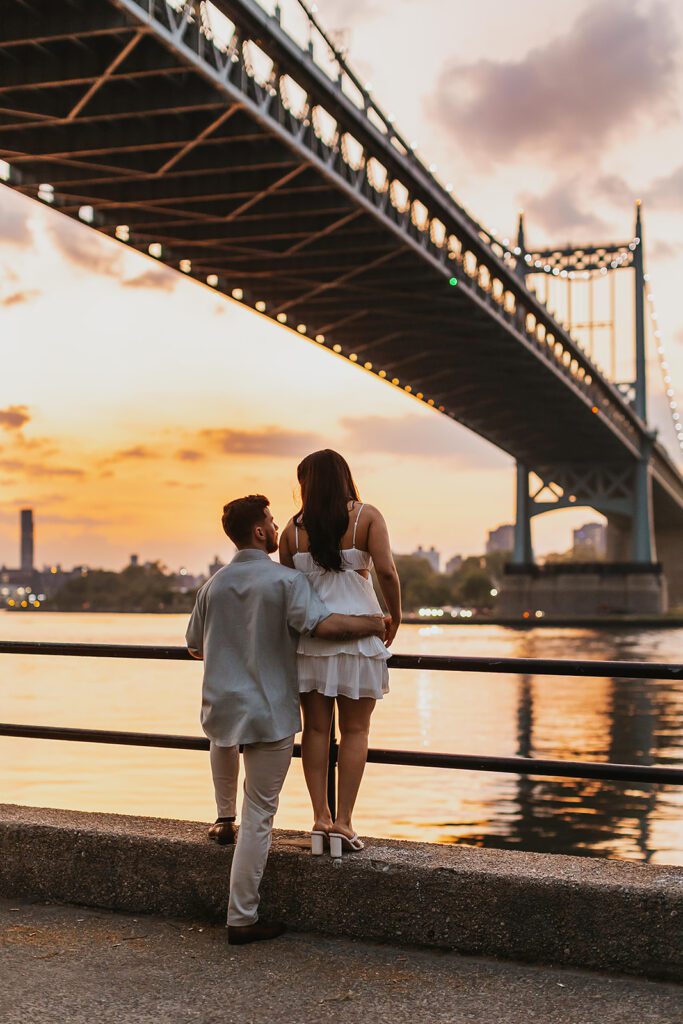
151,143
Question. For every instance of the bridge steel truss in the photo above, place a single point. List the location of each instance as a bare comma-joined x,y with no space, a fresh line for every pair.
623,494
249,168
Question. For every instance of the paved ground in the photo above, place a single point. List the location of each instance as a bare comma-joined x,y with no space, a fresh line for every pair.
71,965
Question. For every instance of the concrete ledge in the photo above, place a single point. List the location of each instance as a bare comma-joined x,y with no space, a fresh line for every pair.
598,914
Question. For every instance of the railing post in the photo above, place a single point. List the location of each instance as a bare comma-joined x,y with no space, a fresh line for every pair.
332,767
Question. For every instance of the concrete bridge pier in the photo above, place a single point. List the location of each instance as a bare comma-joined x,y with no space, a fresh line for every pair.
629,582
670,552
523,552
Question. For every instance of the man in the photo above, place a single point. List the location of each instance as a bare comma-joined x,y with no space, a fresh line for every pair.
245,626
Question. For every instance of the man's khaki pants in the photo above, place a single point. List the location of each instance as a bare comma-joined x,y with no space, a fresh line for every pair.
265,769
225,768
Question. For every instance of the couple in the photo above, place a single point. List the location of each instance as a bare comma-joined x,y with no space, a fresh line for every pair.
307,631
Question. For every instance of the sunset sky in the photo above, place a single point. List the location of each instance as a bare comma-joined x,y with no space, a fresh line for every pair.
134,402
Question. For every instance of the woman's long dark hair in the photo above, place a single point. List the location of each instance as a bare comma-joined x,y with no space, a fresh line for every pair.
327,487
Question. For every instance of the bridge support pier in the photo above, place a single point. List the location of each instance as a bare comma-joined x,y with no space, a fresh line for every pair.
643,527
582,590
670,552
630,582
523,552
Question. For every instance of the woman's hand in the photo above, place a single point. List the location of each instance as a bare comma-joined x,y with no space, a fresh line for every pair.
379,547
390,630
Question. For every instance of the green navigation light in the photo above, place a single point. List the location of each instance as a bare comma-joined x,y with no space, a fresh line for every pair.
453,281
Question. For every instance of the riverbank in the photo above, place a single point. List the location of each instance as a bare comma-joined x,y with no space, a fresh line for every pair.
612,622
539,908
609,622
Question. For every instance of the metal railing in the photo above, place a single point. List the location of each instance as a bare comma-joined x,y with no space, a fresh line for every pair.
605,771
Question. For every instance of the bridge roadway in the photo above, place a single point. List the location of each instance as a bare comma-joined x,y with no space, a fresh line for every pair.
79,964
246,165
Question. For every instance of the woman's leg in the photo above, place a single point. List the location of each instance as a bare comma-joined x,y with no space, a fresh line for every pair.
354,727
315,747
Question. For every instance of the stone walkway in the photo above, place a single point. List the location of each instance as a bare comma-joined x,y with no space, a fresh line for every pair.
69,965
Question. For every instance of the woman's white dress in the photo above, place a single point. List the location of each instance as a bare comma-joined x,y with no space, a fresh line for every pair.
347,668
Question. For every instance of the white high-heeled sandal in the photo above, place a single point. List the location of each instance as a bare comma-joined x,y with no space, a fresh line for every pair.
318,838
340,842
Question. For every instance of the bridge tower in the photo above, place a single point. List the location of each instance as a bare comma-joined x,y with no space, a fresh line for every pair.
631,580
523,552
643,531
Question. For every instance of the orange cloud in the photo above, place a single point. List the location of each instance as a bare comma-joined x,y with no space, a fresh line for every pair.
84,248
161,280
14,417
17,298
418,436
136,452
33,469
189,455
269,441
45,499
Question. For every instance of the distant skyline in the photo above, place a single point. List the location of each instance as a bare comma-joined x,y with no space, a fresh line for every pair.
433,555
139,402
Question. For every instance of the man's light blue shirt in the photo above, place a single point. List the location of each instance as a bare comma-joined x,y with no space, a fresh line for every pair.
246,624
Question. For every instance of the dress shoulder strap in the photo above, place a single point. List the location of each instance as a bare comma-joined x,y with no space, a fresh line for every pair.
296,536
355,525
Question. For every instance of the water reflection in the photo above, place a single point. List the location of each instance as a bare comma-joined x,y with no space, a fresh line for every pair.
587,816
622,720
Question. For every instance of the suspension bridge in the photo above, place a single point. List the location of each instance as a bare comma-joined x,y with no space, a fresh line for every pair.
243,151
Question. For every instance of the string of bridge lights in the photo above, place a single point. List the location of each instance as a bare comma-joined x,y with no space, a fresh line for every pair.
534,266
664,363
539,267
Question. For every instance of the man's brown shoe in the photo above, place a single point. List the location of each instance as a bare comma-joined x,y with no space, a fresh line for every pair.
238,935
223,831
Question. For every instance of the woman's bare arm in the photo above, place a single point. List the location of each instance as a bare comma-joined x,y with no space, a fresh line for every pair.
285,548
379,547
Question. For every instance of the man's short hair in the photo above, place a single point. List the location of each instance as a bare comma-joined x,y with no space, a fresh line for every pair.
242,515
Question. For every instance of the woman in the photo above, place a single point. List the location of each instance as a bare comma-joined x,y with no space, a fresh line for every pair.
335,539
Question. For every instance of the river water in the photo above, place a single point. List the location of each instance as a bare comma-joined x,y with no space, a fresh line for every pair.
624,720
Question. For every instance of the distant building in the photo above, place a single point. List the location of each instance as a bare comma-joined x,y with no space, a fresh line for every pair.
26,579
26,519
591,538
453,564
184,581
432,556
54,577
134,560
215,566
501,539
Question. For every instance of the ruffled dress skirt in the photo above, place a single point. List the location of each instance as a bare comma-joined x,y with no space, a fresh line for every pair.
344,668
